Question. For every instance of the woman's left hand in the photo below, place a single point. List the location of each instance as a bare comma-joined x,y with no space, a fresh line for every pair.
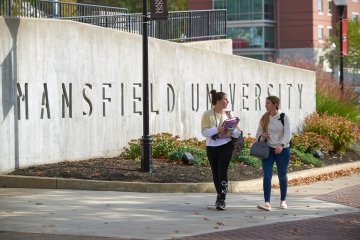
278,150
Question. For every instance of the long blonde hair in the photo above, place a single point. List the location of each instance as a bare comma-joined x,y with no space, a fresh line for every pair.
264,122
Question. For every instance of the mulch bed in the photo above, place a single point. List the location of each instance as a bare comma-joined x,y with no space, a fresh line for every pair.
163,171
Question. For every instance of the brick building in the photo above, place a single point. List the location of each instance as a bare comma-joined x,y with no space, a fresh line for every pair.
263,29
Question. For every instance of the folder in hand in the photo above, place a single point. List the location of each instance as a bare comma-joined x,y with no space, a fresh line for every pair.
229,123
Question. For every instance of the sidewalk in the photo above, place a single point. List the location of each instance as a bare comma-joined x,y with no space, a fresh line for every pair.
315,212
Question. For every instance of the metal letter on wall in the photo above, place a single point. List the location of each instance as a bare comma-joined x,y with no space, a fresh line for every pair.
170,88
257,97
232,96
22,97
197,98
152,100
45,103
66,100
270,86
290,86
105,99
159,9
245,96
135,97
87,99
300,87
208,99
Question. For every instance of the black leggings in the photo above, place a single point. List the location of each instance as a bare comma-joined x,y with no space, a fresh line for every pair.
219,159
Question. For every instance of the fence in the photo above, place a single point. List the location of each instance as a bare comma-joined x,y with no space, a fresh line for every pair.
180,26
54,9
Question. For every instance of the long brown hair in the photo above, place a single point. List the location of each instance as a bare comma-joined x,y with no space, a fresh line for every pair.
264,122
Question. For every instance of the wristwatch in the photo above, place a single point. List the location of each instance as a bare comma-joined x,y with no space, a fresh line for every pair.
282,145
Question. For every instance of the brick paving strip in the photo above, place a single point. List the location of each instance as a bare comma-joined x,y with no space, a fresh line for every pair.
8,235
338,227
349,196
344,226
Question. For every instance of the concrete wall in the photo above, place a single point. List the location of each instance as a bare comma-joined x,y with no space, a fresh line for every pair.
71,91
221,46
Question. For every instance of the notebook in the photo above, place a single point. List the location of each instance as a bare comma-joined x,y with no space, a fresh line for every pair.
229,123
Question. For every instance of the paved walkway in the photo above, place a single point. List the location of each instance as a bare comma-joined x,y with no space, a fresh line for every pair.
330,207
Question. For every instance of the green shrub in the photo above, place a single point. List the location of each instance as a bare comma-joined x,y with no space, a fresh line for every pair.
199,155
310,141
341,132
307,158
244,157
248,141
331,106
193,142
133,151
163,144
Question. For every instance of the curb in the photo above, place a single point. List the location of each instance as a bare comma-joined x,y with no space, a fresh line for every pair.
11,181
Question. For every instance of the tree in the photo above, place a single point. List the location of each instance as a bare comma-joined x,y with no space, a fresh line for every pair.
352,60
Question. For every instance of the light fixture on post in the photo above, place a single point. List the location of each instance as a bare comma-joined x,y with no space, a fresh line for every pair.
341,4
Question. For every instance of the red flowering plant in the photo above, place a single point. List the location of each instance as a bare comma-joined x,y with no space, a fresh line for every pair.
310,141
341,131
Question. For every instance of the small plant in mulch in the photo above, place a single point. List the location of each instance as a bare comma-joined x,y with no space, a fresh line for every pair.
306,158
167,146
244,157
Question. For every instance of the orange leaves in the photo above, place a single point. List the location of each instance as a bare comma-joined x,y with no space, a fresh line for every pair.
341,131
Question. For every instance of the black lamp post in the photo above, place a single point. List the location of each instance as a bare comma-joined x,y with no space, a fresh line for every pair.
146,139
341,4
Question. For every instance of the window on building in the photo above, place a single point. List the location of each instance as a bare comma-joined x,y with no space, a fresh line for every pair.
269,37
257,9
219,4
269,9
246,9
252,37
330,7
240,37
355,16
320,6
320,33
330,31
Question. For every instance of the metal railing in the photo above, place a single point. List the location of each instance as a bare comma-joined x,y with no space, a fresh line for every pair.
54,9
181,26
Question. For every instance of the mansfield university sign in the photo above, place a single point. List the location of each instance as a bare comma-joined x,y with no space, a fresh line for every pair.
85,99
238,94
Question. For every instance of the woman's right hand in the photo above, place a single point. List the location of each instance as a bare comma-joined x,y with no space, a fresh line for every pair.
266,135
221,129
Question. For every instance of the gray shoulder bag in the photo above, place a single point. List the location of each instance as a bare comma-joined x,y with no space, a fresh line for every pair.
260,149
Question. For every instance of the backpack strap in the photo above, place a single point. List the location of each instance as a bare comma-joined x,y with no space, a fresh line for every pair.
282,115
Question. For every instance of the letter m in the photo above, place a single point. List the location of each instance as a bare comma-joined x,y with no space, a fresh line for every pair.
22,97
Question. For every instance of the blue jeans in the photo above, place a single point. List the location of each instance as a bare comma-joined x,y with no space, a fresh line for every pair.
282,162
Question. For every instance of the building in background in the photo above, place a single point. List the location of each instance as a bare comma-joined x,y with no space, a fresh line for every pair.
264,29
